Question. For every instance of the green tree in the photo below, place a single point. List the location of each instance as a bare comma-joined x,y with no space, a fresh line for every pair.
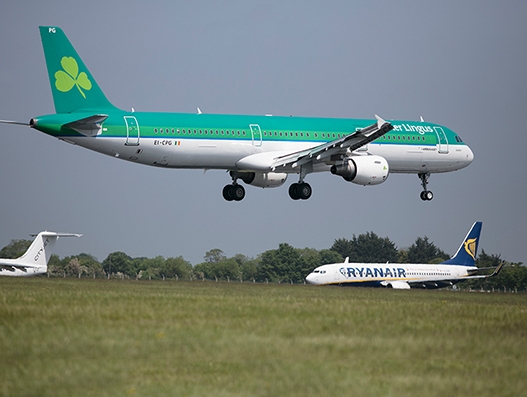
248,267
215,255
93,267
424,251
177,268
118,262
345,249
147,267
74,268
225,269
281,265
15,249
309,259
55,266
367,248
328,256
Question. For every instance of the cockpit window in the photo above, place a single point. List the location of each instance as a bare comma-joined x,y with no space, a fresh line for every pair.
458,139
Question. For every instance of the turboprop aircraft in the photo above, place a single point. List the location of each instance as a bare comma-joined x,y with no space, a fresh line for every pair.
404,275
35,260
261,151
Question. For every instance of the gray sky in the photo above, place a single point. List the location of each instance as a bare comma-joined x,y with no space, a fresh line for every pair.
460,64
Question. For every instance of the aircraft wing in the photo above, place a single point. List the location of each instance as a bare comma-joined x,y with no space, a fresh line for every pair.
496,271
345,144
14,266
450,282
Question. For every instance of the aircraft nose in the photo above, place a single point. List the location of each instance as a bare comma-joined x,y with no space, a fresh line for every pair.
311,278
470,155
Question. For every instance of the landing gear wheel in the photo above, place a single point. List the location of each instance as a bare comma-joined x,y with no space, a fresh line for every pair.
227,193
233,192
293,191
237,192
427,195
304,191
300,191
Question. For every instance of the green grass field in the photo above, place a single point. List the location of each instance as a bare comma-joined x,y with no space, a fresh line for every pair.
69,337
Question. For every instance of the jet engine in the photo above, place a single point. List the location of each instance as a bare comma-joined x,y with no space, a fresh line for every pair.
263,179
363,170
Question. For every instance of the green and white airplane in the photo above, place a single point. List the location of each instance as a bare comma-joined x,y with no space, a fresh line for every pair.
258,150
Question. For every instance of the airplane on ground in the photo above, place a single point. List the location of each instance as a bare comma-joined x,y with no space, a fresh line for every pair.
258,150
35,260
405,275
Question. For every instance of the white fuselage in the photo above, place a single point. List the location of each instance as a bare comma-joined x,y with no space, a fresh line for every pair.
8,268
225,154
379,274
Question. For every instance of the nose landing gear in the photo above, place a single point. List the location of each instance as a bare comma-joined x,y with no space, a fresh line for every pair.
426,195
234,192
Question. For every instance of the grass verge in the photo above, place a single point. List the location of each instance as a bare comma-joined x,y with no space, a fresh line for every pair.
64,337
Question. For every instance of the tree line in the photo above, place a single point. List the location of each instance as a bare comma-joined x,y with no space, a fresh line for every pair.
285,264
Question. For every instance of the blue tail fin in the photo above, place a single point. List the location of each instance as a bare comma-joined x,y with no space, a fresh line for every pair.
467,251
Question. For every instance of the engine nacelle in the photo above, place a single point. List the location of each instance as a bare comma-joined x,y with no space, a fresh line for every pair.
263,179
363,170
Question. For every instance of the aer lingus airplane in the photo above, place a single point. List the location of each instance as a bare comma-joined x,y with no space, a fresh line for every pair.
258,150
404,275
35,260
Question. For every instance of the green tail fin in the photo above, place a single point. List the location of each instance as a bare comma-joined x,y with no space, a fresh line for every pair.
72,84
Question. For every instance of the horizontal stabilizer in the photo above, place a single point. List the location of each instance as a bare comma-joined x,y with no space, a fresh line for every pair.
89,126
53,234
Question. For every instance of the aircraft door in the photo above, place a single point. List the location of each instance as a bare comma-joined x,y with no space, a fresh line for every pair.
442,142
256,133
132,131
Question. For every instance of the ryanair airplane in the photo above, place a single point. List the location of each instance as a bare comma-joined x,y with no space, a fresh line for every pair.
261,151
404,275
35,260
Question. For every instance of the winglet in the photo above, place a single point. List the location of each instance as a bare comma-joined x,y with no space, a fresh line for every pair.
498,269
380,121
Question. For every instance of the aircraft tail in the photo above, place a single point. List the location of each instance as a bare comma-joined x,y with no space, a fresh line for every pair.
72,85
467,251
39,252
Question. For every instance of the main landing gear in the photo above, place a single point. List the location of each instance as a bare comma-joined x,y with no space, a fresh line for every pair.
300,191
233,192
426,195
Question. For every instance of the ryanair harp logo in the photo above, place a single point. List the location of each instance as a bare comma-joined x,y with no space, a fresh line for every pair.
470,247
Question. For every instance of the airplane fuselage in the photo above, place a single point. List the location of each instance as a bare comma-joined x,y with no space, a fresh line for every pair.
379,274
179,140
9,268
